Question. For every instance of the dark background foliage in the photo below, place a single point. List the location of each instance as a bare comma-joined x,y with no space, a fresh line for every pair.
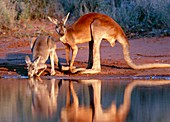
132,15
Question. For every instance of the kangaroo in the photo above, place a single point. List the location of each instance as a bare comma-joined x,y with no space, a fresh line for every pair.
93,28
42,48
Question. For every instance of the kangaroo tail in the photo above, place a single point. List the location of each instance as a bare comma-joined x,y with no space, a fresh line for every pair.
124,42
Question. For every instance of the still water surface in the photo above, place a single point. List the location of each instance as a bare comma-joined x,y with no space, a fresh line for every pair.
53,100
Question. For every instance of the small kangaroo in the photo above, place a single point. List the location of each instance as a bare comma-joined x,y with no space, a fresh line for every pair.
42,48
93,28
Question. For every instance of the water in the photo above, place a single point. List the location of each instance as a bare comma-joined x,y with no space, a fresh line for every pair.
57,100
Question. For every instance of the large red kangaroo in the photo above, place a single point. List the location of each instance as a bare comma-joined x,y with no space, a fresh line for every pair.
92,28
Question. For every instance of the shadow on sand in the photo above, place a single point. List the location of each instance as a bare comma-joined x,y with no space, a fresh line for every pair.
15,62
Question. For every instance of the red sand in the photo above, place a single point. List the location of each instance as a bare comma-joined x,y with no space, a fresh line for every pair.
144,50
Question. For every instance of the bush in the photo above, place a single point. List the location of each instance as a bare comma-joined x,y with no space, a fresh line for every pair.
7,15
39,9
132,15
144,14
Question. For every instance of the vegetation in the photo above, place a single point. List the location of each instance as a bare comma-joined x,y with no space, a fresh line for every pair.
133,15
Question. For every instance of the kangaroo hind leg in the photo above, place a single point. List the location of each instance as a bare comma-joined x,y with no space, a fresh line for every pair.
94,49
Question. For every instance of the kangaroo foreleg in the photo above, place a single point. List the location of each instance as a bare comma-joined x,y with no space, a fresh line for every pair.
72,68
44,67
74,54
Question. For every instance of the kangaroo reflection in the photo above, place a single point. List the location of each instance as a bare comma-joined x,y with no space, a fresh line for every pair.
114,114
76,113
44,96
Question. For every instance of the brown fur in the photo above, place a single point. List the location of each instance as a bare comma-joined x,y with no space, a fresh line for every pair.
42,48
93,28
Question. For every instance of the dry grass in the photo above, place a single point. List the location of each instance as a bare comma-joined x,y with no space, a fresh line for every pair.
7,14
133,16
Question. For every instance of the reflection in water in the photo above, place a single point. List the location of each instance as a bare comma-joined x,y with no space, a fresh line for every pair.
76,113
44,96
41,100
14,101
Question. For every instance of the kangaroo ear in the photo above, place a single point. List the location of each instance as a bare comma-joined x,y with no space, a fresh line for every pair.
66,18
27,60
55,21
36,61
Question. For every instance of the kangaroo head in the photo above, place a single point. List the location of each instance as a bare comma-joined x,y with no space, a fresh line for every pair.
60,25
32,66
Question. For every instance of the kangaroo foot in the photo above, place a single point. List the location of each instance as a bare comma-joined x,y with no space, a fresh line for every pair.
52,72
65,68
90,71
75,70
